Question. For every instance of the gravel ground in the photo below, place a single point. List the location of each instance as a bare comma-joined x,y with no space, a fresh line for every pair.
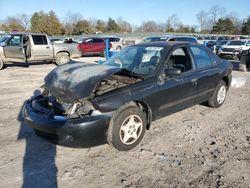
197,147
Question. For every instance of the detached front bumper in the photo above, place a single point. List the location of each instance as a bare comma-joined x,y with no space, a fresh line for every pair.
86,131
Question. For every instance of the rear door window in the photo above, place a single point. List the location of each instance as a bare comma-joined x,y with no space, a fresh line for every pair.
39,39
96,40
201,57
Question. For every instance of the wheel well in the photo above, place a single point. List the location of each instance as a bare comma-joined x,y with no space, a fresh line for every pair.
145,108
226,80
63,52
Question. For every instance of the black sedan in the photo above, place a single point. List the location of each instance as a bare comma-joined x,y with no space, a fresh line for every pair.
120,99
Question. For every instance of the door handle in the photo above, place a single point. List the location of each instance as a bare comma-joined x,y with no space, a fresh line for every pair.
47,46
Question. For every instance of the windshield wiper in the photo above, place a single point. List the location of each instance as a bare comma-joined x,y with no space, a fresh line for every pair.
131,73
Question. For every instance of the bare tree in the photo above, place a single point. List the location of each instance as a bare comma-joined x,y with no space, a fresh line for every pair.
202,18
24,20
172,22
70,21
13,23
216,12
149,26
124,25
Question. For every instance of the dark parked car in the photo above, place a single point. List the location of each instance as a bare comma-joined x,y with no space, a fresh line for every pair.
244,57
93,46
170,38
219,44
119,100
151,39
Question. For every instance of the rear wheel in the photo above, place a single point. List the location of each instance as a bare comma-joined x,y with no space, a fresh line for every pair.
1,64
127,128
243,64
118,48
62,58
103,54
219,95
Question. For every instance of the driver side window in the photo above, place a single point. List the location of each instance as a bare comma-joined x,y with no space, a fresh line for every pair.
16,40
180,60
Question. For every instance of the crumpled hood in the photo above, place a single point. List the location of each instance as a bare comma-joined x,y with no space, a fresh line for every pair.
76,80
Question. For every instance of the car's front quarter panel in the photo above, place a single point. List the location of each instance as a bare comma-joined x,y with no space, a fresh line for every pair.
139,92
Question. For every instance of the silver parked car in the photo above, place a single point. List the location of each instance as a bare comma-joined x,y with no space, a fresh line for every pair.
33,47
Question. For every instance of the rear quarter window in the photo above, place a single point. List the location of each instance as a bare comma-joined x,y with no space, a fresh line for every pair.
193,40
201,57
96,40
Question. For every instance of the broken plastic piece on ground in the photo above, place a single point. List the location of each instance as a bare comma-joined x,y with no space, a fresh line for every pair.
238,82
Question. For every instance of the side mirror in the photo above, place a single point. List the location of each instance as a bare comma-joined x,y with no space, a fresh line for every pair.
172,72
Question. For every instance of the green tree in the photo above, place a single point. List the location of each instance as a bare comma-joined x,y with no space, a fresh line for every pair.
224,26
101,26
113,26
246,27
46,22
82,26
38,22
54,27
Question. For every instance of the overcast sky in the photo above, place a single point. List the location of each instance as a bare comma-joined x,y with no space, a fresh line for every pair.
133,11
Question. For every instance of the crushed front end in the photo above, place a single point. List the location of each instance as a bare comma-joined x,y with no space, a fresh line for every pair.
66,123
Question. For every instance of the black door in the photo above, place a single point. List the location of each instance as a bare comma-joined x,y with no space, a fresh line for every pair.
178,92
207,74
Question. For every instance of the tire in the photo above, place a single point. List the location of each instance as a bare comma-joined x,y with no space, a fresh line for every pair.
62,58
219,95
127,128
103,54
118,48
242,65
1,64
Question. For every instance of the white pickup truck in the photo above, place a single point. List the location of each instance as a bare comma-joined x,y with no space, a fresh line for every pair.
34,47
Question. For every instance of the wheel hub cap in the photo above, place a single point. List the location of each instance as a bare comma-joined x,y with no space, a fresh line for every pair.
221,94
131,129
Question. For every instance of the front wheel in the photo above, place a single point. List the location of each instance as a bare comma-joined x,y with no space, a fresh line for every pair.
219,95
62,58
127,128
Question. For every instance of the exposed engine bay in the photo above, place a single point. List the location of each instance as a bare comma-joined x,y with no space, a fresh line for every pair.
51,105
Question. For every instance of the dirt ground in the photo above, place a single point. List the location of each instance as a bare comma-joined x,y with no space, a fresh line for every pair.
197,147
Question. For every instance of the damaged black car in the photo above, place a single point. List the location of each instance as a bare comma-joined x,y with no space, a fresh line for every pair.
119,99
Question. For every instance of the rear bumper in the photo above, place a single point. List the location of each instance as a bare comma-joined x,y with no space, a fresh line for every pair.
89,130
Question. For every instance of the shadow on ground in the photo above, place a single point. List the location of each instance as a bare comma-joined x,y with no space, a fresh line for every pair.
25,65
39,168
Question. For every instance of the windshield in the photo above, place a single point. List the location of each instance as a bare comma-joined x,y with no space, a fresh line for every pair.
222,42
236,43
140,60
4,38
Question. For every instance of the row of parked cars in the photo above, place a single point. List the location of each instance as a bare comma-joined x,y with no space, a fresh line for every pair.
32,47
228,47
94,45
20,47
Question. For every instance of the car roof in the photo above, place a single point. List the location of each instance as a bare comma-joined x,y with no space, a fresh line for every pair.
163,44
22,33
